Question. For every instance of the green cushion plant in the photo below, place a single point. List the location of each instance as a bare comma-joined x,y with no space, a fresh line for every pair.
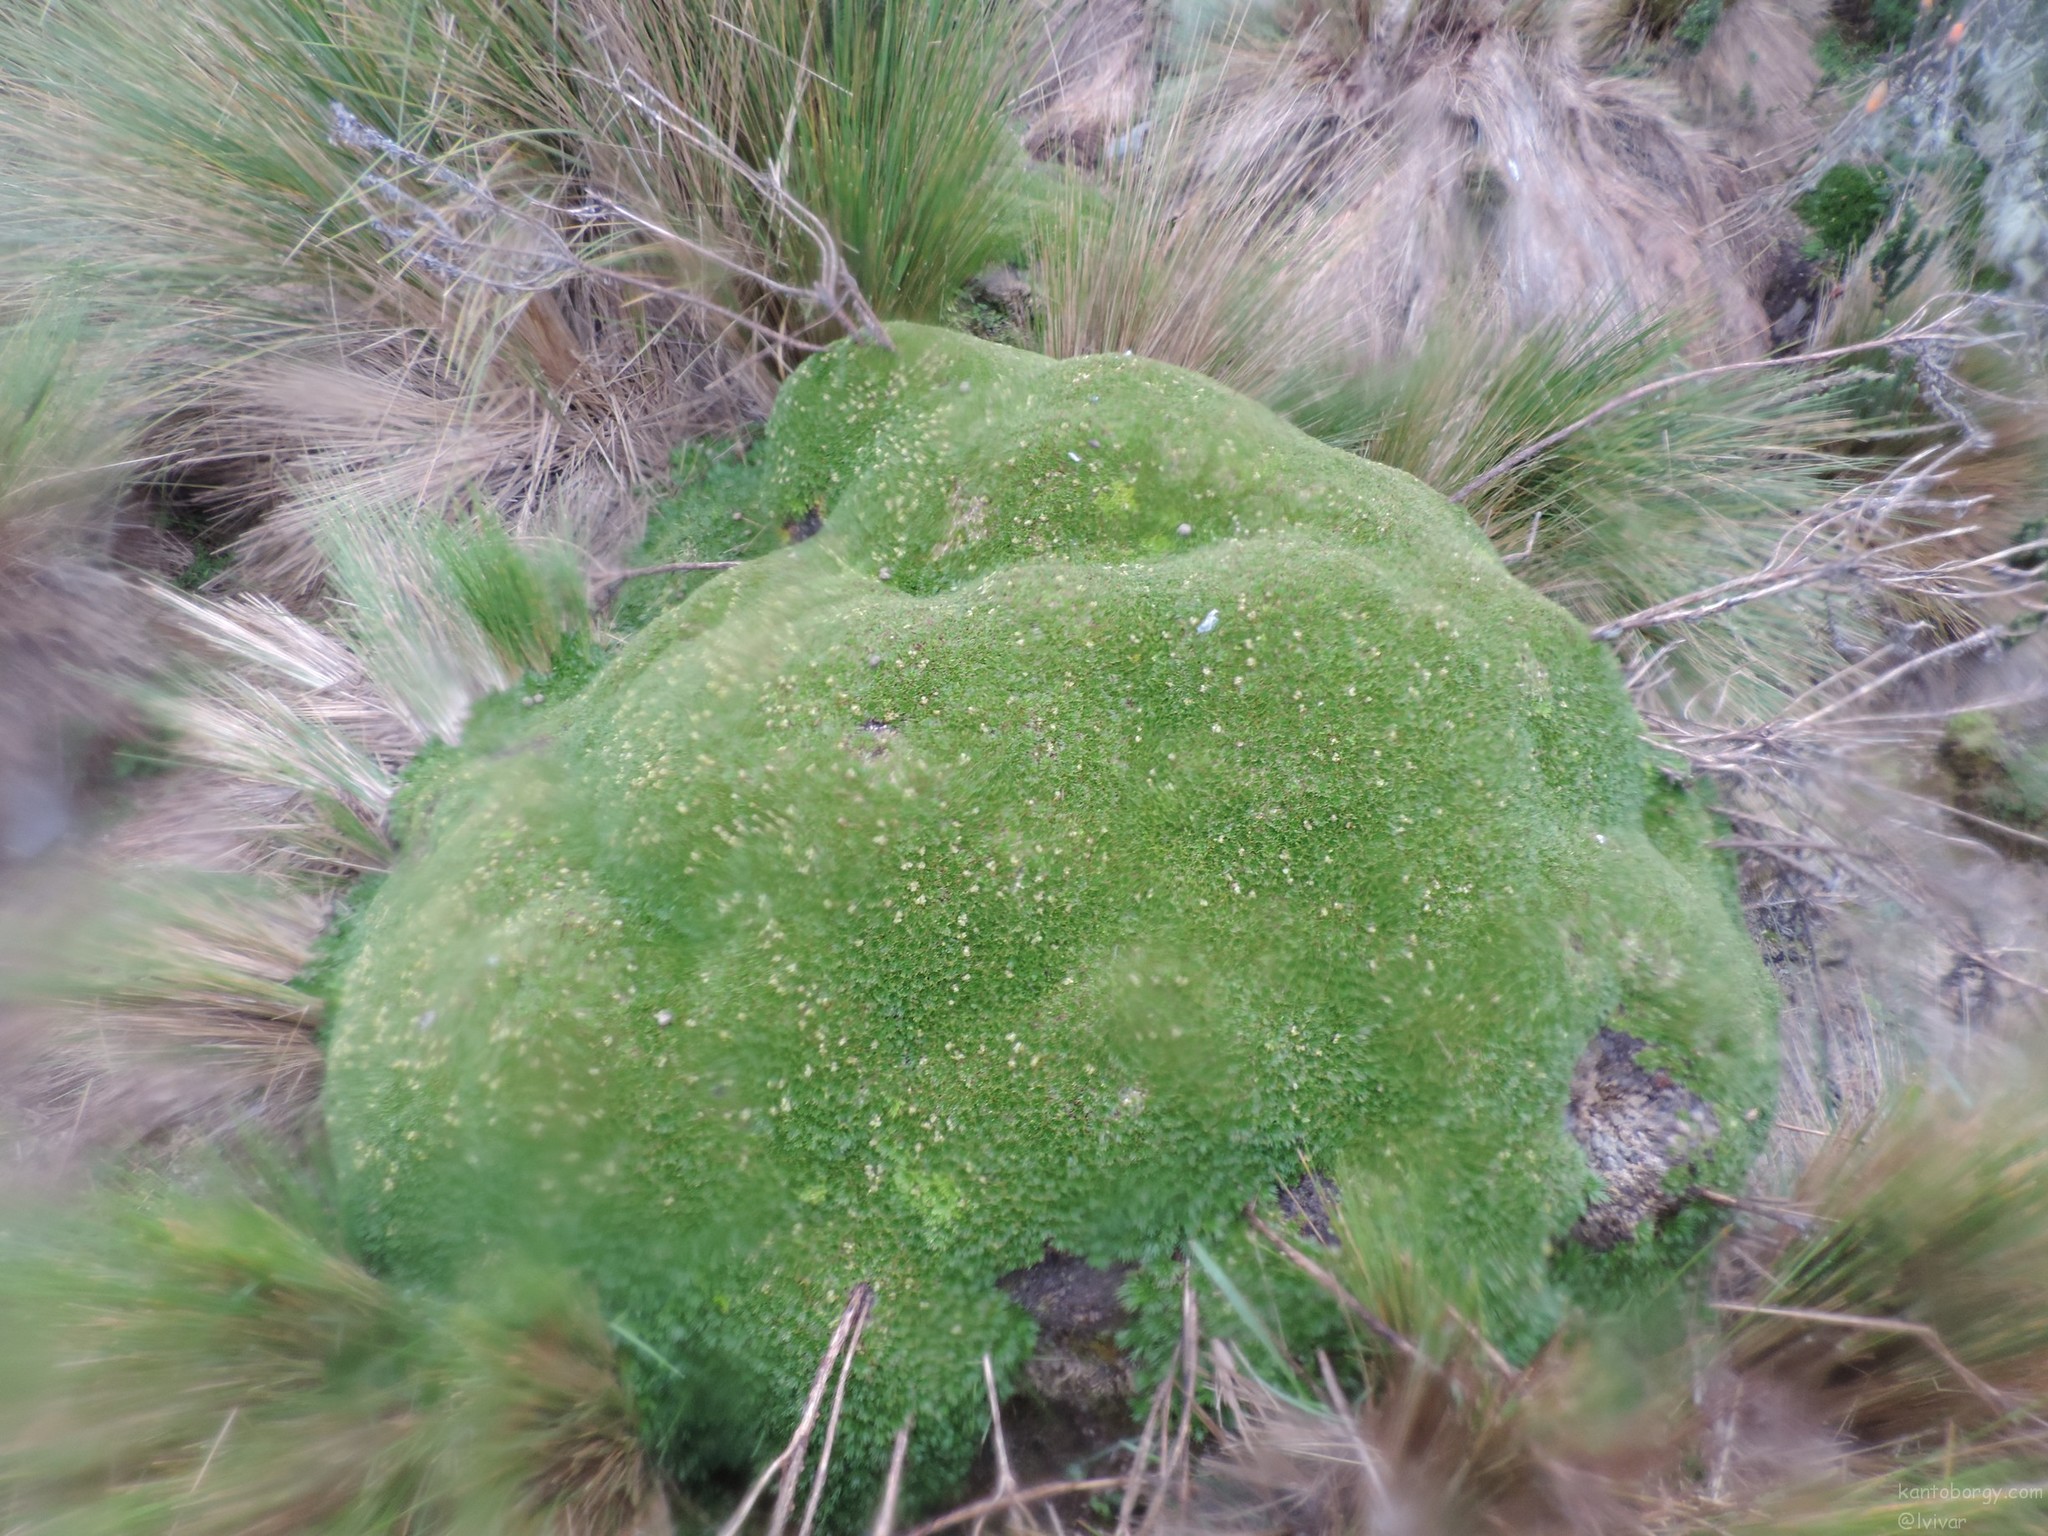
1092,801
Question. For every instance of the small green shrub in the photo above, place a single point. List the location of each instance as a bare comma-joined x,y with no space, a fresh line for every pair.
1902,255
1094,798
1696,25
1845,208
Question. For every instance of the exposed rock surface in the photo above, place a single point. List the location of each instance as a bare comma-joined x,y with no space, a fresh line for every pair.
1636,1125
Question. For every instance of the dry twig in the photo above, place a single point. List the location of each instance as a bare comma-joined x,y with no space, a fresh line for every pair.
1135,1476
789,1461
832,1420
1337,1290
2003,1402
892,1489
603,584
1006,1482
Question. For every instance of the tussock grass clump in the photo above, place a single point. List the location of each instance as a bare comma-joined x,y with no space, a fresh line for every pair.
1508,176
1694,482
62,643
1090,71
1744,71
1182,251
1094,799
210,1359
507,252
298,332
153,990
1933,1215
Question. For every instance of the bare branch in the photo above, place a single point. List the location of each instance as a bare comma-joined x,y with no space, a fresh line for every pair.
789,1460
885,1517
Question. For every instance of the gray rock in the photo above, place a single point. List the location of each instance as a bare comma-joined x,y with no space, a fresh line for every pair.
1636,1125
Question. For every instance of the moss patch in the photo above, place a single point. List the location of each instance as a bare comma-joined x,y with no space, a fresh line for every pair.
999,865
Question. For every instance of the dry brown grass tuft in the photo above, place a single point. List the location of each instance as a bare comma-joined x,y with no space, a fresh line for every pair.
1743,71
1192,250
1469,156
373,260
1753,84
386,413
63,634
1429,1450
150,988
207,1357
1913,1311
1090,77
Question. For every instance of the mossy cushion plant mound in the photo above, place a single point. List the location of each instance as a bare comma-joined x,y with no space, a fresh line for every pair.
1094,801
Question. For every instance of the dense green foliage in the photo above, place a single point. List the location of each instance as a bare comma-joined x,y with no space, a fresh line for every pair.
957,882
1845,207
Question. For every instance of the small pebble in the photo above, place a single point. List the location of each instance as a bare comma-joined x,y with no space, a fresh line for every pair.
664,1018
884,573
965,386
1185,530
